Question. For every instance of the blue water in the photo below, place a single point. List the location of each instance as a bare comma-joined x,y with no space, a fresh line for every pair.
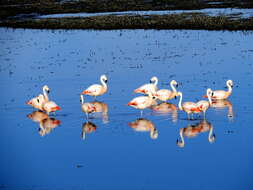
113,155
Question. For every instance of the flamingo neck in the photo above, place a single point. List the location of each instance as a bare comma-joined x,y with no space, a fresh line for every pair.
103,83
229,89
209,98
45,94
156,81
173,87
180,102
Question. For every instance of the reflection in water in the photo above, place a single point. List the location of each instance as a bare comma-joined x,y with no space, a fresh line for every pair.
103,109
88,127
194,130
46,124
144,125
166,108
222,104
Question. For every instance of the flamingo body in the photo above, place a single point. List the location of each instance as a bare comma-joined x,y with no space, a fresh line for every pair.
146,88
97,89
222,94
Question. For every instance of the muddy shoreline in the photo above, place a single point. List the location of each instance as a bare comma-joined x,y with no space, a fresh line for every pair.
19,14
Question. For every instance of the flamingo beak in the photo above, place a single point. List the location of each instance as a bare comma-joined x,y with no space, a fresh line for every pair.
29,103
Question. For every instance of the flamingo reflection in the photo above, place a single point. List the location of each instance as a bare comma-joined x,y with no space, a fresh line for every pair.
144,125
166,108
88,127
102,109
46,124
193,130
223,104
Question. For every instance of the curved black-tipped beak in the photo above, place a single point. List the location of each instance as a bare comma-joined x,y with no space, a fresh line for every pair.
106,81
176,85
48,91
150,81
175,97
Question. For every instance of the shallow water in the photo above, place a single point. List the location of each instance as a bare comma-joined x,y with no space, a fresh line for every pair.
65,152
237,13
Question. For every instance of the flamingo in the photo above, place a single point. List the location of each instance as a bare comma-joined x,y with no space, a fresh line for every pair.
88,127
97,89
221,94
188,107
48,106
87,107
194,130
203,105
142,102
39,100
152,86
165,94
144,125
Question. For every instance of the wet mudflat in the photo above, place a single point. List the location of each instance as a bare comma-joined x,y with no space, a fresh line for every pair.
63,151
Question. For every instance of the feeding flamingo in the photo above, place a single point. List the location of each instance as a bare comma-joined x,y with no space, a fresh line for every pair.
152,86
165,94
97,89
222,94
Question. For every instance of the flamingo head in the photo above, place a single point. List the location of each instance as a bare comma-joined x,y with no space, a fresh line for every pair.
153,79
174,83
46,88
230,83
104,78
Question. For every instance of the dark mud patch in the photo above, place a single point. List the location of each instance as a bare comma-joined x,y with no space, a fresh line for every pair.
175,21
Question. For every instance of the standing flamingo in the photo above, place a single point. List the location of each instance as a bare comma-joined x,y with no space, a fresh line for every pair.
87,107
49,106
221,94
188,107
165,94
152,86
97,89
142,102
203,105
39,100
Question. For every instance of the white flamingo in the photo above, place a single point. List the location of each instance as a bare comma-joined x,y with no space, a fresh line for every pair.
152,86
222,94
97,89
165,94
188,107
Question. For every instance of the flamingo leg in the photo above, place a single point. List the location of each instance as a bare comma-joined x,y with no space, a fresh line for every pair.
188,115
141,113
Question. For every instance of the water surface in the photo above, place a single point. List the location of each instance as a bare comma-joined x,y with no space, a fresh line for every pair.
66,152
